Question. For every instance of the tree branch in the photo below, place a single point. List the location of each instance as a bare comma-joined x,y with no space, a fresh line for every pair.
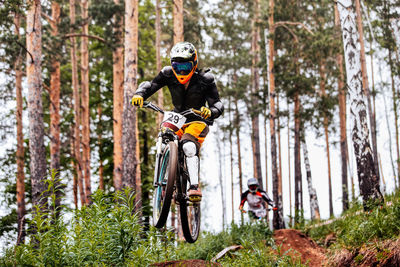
85,35
23,47
282,23
48,18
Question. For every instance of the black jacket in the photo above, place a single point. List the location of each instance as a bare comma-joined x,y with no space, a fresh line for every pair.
201,89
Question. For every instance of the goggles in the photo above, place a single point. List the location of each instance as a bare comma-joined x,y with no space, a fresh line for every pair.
253,187
182,68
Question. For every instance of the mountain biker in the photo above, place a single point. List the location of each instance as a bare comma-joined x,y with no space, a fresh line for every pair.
255,198
189,88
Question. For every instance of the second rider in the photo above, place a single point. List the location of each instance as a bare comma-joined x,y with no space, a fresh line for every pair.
189,88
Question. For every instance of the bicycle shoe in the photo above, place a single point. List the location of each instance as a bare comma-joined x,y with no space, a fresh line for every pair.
194,193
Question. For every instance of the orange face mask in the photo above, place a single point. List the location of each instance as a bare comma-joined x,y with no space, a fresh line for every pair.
184,70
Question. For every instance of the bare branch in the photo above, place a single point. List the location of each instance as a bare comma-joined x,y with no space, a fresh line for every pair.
282,23
85,35
23,47
48,18
45,86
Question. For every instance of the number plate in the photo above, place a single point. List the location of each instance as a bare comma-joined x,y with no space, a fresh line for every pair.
173,120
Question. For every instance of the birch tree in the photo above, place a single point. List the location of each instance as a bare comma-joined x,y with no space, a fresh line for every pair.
314,207
35,107
368,180
366,88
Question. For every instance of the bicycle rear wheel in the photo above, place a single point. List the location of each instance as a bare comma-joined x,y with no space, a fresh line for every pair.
164,189
190,215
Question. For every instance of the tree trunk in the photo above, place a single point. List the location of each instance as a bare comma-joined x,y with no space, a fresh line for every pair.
342,118
100,144
130,140
396,116
396,34
279,149
231,159
298,194
160,98
75,175
266,149
221,181
314,207
35,107
278,222
85,99
255,87
55,107
20,143
289,167
368,180
366,88
118,95
383,178
178,21
326,131
239,155
77,113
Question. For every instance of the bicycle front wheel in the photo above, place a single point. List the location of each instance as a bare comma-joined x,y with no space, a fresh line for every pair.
164,189
190,216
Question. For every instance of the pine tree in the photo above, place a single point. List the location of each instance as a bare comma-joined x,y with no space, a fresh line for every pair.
178,20
131,162
20,141
55,84
35,108
118,87
77,113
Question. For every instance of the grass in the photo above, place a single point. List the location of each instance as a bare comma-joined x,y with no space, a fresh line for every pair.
108,233
358,227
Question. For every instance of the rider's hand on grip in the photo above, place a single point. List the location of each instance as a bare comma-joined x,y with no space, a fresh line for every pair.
137,100
241,209
275,208
205,112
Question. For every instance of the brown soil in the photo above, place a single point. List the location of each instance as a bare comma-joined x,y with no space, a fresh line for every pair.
186,263
296,244
383,254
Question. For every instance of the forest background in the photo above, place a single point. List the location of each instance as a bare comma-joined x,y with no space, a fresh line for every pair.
231,38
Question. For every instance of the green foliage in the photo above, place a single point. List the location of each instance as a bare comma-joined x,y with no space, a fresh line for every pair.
210,244
104,233
358,227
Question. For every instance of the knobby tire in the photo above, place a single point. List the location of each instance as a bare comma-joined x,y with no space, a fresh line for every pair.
190,215
168,170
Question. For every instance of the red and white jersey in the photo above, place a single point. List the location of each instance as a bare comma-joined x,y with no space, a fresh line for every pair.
255,200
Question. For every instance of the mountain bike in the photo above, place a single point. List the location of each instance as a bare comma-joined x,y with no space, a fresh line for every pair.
171,178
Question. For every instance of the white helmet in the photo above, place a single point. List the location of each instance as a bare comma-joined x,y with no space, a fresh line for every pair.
253,184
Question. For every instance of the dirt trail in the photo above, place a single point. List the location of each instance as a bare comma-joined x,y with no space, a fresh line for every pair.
297,244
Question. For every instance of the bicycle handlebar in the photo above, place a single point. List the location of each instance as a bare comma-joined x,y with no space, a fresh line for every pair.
192,111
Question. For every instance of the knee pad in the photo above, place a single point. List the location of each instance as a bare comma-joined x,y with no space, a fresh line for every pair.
190,149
